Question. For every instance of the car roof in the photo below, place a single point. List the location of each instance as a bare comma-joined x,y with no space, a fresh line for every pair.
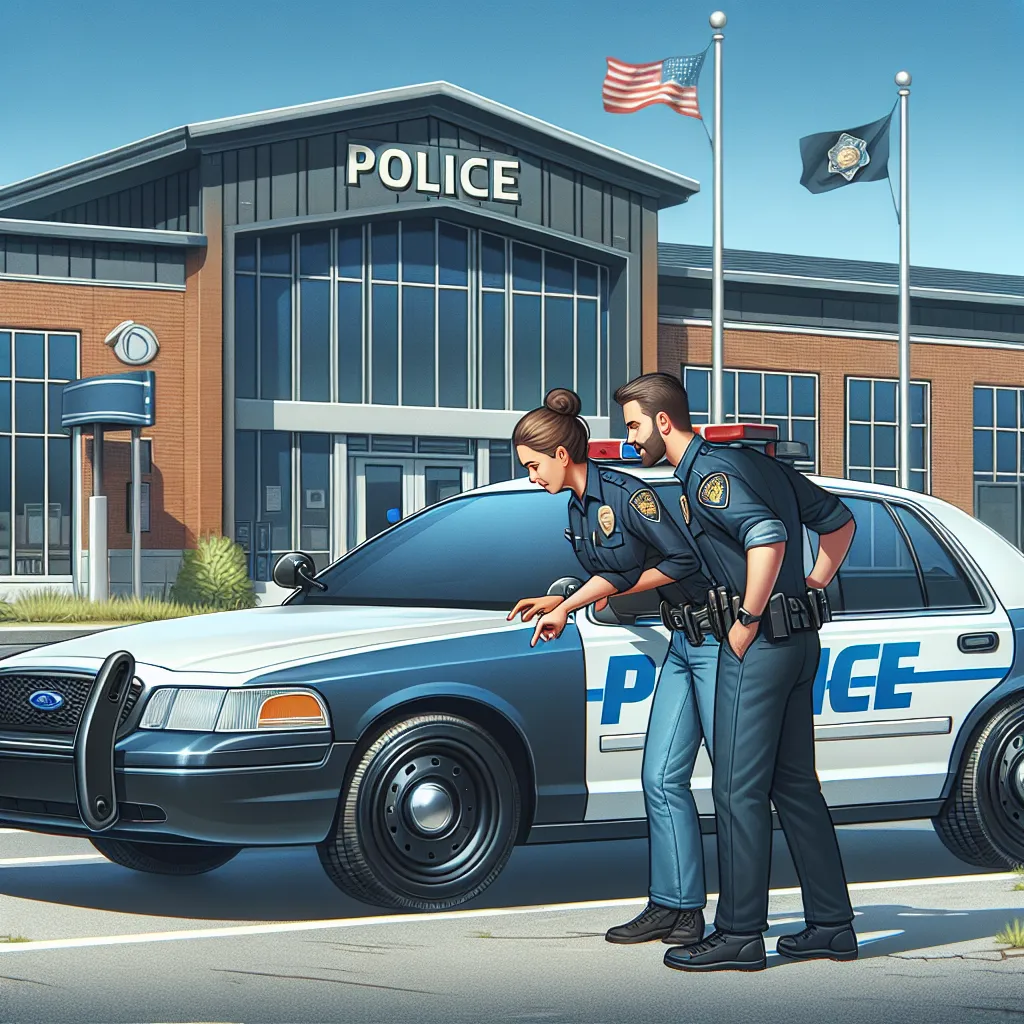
665,471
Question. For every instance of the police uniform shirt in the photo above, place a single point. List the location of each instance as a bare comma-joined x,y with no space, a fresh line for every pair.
620,528
737,498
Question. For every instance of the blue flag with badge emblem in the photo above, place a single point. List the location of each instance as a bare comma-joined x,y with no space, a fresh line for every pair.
833,159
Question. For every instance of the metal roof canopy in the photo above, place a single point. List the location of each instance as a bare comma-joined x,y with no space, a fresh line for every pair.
694,261
438,98
115,400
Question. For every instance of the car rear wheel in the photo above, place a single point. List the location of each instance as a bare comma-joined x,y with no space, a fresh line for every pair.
982,822
428,819
165,858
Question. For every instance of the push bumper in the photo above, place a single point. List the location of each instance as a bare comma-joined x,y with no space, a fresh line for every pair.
238,790
250,805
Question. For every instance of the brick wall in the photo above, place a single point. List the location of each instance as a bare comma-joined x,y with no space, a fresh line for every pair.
184,500
952,371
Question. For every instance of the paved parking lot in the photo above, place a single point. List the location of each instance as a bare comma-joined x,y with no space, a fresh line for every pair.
268,939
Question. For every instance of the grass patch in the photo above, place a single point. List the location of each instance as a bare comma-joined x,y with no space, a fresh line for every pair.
14,938
483,935
1012,935
1019,871
59,606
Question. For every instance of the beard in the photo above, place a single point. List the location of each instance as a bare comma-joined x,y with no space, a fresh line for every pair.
651,448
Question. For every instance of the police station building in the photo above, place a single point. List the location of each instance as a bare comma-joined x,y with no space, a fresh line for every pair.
341,309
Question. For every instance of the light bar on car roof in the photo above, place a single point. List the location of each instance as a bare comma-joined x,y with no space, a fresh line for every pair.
612,451
738,431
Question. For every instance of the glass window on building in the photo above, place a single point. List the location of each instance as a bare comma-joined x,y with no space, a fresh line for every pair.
999,459
426,313
315,497
872,435
788,400
557,306
35,453
273,515
500,461
263,317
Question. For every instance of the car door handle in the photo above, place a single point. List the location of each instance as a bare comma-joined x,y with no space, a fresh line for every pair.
977,643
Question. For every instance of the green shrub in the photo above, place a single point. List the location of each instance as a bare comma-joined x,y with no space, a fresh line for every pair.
47,605
214,576
1012,935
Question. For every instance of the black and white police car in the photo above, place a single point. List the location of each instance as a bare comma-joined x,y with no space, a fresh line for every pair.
390,714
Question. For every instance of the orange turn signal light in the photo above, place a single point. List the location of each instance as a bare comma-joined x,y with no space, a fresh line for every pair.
295,709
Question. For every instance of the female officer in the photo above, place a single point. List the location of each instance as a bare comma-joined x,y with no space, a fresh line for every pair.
627,543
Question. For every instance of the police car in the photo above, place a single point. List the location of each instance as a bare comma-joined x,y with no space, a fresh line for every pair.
389,713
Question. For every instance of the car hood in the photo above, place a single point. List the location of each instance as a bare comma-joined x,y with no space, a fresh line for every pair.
255,639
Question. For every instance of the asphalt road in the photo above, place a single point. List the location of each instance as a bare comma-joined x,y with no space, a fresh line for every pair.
268,939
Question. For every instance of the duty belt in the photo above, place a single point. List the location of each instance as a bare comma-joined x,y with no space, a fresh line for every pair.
714,618
782,617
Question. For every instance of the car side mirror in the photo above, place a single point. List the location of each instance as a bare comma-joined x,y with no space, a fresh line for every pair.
296,570
564,587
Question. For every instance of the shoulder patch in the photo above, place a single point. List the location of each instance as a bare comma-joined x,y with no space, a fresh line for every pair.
714,491
646,504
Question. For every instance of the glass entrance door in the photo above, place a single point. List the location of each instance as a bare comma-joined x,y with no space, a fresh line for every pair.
388,490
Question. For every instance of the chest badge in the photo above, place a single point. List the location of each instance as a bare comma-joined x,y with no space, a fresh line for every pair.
644,502
714,491
606,520
684,505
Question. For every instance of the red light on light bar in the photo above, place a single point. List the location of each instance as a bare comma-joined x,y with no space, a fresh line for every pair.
618,451
738,431
604,450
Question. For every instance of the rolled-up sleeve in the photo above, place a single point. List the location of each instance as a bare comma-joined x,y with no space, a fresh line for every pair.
620,580
737,507
820,510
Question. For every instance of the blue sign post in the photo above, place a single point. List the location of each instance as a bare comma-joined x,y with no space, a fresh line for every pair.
116,400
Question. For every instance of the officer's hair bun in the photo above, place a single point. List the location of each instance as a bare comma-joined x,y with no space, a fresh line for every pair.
563,401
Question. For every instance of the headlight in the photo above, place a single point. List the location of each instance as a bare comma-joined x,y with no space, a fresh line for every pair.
211,710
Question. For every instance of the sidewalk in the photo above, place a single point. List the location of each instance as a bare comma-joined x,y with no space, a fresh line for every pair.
23,636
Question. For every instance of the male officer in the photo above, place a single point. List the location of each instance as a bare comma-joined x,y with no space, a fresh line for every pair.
625,539
745,511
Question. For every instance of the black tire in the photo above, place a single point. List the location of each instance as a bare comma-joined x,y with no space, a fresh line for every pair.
982,821
377,853
165,858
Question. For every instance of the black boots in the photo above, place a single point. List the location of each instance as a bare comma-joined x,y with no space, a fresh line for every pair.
820,942
657,922
720,952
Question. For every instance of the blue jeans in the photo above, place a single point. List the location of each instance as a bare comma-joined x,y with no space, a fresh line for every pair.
683,710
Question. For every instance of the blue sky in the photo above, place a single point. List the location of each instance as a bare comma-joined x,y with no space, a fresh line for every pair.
80,78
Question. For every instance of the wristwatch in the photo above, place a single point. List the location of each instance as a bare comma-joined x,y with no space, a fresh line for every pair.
746,619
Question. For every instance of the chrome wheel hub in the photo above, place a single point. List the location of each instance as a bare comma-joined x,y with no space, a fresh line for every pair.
430,808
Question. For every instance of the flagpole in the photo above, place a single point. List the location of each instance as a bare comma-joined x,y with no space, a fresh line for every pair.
717,21
903,81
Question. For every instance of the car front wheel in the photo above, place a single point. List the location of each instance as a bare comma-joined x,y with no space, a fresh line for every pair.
165,858
982,822
428,819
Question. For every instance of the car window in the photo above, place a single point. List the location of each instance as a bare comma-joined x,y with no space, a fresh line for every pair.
478,551
879,574
945,582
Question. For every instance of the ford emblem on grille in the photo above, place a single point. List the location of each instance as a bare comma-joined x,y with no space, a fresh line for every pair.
46,700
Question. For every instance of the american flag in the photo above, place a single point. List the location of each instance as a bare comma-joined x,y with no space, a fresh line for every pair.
673,81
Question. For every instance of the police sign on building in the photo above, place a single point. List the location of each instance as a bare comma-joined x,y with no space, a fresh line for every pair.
459,175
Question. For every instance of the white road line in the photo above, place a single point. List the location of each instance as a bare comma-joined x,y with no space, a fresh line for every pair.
11,831
22,862
277,928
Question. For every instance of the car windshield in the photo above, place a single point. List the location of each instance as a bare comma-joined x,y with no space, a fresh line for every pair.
478,551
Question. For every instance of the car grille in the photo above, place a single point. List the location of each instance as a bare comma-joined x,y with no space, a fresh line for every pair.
17,714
